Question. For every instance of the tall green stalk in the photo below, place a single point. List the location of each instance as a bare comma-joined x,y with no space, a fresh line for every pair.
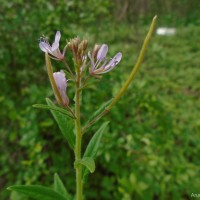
79,187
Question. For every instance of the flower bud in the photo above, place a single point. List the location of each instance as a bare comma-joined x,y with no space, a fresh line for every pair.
95,50
61,84
83,45
73,45
78,49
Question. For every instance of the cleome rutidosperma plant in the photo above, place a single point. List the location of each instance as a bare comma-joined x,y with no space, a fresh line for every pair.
87,65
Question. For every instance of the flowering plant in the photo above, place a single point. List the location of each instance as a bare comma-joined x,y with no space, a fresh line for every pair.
87,65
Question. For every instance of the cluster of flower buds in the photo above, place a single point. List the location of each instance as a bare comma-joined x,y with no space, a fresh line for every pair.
98,62
78,49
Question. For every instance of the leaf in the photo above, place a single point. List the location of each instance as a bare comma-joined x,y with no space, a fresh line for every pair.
65,125
89,84
93,145
99,111
59,186
69,76
89,163
37,192
54,108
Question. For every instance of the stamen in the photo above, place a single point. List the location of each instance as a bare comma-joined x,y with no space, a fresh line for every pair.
43,39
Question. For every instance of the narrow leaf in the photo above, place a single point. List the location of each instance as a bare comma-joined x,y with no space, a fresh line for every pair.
37,192
65,125
93,145
68,75
55,108
89,84
99,111
89,163
59,186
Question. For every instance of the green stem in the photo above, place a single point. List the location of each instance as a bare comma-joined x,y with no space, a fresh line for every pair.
68,68
79,187
137,65
52,81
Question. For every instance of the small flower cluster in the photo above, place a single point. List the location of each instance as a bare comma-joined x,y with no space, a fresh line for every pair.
98,63
53,50
99,68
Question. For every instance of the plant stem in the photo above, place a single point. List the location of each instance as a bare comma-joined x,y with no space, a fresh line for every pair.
79,187
137,65
68,68
52,81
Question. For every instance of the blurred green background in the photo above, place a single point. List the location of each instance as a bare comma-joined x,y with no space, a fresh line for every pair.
152,146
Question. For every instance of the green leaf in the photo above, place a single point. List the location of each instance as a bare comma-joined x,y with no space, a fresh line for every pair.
96,113
89,163
65,125
89,84
59,186
99,111
38,192
69,76
93,145
54,108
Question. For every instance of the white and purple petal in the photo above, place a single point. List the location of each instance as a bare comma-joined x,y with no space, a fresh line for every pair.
101,55
54,49
55,45
57,54
112,63
91,60
115,60
61,83
60,80
44,46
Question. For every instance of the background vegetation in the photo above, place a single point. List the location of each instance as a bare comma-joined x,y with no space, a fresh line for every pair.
151,149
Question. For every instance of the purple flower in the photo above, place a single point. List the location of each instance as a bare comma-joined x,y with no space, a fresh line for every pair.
102,65
54,49
61,84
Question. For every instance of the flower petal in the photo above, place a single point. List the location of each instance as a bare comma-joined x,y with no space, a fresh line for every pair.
91,60
57,54
61,83
113,62
102,52
42,47
60,80
55,45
